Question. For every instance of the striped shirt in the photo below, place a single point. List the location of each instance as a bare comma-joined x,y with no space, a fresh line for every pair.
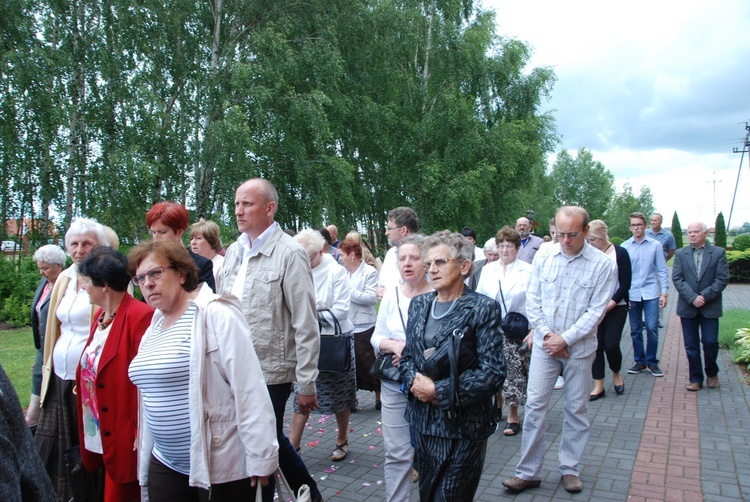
161,371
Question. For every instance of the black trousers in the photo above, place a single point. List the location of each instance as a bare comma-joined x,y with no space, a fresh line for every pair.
167,485
608,336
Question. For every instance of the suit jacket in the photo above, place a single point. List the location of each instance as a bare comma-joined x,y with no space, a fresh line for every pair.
478,317
39,321
710,281
205,270
116,396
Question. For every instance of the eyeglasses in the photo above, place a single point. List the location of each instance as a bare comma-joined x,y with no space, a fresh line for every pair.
153,274
568,235
506,246
440,262
391,229
636,225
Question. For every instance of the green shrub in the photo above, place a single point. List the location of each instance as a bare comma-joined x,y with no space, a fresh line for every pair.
720,235
616,240
739,266
17,286
742,351
741,242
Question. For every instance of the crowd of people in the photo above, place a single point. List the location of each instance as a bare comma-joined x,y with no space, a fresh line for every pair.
181,396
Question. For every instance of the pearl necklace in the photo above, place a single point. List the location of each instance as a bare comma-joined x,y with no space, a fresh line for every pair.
434,301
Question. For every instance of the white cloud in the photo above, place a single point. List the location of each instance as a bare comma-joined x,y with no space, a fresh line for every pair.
657,90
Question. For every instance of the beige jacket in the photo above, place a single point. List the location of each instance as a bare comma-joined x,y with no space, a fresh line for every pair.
278,302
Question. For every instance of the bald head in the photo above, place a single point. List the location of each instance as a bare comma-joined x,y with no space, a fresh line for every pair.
523,227
697,233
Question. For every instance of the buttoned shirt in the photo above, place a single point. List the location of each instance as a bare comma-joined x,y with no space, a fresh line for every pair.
666,239
248,250
568,295
648,264
389,274
698,258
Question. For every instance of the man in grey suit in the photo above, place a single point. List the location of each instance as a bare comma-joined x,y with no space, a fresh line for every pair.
700,273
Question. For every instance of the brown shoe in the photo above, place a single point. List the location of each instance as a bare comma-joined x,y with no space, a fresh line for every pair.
712,382
572,483
516,484
694,386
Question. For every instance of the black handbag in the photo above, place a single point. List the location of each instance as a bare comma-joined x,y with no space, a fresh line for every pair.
383,367
514,324
335,348
385,370
437,365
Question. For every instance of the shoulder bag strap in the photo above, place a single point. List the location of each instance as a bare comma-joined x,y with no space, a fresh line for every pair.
502,297
398,307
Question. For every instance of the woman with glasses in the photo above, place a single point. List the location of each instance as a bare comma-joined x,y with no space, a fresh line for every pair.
505,281
389,338
68,326
107,400
205,418
337,391
610,329
452,413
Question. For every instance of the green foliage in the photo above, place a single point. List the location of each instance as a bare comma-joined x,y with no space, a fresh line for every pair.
677,230
616,240
741,242
741,352
720,235
739,265
18,282
582,182
623,204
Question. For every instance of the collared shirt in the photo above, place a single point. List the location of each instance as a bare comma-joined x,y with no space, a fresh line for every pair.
389,274
698,257
666,239
249,249
649,269
568,295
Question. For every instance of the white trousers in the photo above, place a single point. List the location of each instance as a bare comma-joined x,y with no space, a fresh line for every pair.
543,372
399,453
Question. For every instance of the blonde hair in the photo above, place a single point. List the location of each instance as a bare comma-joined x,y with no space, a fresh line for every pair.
598,230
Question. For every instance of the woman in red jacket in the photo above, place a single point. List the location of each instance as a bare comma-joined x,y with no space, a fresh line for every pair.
107,400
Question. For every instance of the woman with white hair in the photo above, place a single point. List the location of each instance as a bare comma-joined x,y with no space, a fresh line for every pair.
68,326
50,260
337,392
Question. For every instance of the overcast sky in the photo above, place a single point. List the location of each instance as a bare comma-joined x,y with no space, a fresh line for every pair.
659,91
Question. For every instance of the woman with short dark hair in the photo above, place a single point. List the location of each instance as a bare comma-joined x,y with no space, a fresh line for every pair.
205,418
452,413
107,400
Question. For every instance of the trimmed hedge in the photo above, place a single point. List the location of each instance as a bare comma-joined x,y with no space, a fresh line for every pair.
739,266
741,242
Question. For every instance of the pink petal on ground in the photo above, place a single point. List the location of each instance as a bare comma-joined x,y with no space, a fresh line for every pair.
365,484
372,447
313,444
330,470
321,431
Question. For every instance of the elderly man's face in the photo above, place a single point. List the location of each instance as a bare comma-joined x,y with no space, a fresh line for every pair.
697,235
523,227
655,222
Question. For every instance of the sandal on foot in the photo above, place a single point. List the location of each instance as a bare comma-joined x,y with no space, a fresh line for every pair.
512,428
340,453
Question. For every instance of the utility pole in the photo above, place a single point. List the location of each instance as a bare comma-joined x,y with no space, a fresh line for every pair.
715,181
745,149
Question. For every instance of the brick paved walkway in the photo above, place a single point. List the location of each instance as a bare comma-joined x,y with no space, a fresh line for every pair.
655,442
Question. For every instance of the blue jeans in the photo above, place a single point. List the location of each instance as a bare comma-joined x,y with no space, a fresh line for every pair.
650,310
709,336
290,462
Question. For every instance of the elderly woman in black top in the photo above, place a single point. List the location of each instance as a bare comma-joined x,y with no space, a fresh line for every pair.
451,415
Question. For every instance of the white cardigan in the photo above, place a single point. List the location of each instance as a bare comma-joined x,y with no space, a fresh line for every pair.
331,283
232,423
514,280
362,284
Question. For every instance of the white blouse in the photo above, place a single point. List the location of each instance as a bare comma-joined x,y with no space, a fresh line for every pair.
74,313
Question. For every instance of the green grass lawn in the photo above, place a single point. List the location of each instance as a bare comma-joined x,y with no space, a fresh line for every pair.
732,320
17,355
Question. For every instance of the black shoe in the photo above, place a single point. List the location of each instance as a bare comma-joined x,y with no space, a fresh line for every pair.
636,368
594,397
620,389
378,405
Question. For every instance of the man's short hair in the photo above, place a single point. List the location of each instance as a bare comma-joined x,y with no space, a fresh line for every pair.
405,217
574,211
639,215
267,191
